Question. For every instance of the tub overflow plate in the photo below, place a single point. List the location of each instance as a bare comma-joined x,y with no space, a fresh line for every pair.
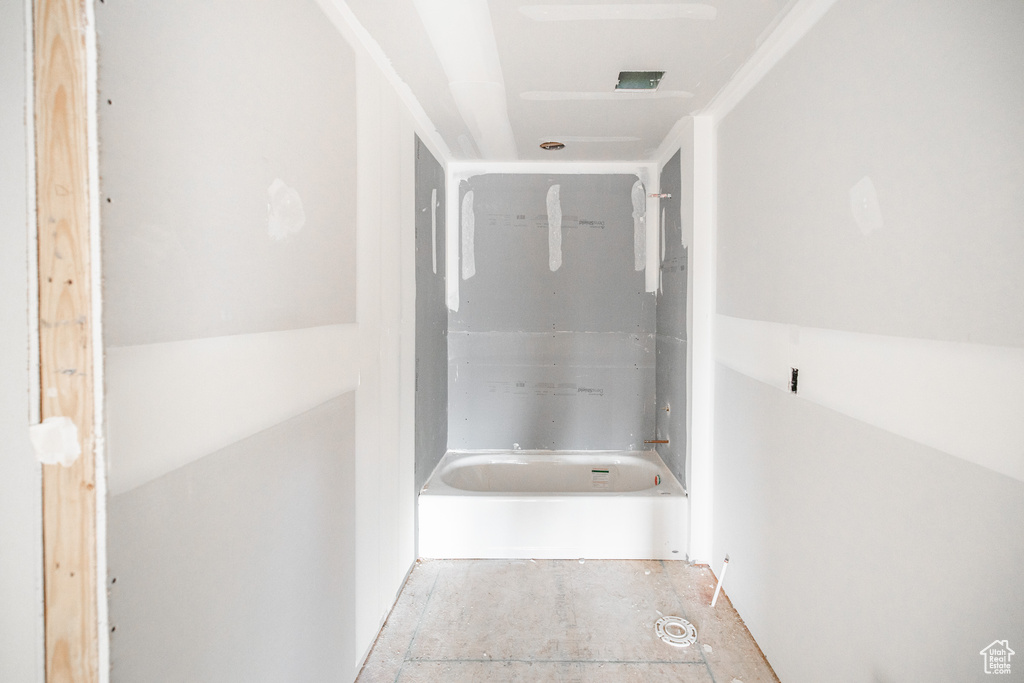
675,631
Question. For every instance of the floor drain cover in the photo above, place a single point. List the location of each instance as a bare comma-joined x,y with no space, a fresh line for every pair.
675,631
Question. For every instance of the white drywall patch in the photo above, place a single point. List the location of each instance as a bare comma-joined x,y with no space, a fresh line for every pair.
55,441
662,234
468,247
285,215
652,233
639,232
554,228
864,206
433,229
620,12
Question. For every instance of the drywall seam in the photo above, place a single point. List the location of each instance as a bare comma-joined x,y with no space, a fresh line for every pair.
962,399
701,459
654,11
34,388
345,21
586,96
468,237
554,207
652,222
451,239
463,170
672,142
407,356
797,22
462,34
637,195
433,230
663,245
158,422
368,568
589,138
96,328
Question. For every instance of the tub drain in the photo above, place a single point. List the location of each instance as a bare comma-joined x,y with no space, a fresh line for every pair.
675,631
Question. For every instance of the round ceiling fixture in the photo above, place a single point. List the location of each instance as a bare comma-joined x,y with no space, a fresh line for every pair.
552,146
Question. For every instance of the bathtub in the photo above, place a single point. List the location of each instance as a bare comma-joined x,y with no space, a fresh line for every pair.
554,505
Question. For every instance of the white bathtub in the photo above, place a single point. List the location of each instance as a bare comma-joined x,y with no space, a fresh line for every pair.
553,504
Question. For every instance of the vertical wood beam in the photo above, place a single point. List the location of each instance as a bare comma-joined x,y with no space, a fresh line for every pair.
65,337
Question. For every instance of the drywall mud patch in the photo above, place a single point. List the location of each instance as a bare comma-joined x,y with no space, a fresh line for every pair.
639,226
554,229
468,237
285,215
433,229
864,206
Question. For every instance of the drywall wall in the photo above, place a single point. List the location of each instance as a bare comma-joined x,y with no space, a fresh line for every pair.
238,566
431,316
385,401
938,139
240,228
857,554
21,621
671,338
189,394
553,343
868,234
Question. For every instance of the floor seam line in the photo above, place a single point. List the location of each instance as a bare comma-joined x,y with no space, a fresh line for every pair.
419,622
700,651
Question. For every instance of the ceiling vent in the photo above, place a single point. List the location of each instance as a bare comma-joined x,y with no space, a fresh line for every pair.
639,80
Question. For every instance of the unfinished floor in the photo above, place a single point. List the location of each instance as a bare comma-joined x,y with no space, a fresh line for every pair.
560,620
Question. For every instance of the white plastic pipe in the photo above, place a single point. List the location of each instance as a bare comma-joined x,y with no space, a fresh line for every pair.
721,578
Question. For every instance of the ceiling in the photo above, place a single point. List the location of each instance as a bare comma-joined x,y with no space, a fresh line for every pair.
498,77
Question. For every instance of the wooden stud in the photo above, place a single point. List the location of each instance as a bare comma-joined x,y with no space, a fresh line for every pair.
65,337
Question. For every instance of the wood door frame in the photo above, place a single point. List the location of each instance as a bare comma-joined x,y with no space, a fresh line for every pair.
60,30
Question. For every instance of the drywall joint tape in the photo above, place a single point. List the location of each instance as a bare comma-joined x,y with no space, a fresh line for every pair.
55,441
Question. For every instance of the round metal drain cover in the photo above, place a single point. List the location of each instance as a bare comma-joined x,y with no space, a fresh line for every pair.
675,631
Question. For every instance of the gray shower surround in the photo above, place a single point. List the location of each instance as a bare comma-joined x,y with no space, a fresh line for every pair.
671,339
546,359
431,317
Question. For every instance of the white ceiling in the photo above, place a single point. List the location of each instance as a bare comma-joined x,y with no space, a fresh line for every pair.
498,77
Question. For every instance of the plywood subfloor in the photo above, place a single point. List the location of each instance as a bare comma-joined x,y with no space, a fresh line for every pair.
560,620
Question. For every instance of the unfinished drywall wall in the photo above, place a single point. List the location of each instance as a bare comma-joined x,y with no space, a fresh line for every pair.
671,338
553,343
217,217
863,544
21,622
238,566
245,394
431,316
911,110
869,207
202,110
